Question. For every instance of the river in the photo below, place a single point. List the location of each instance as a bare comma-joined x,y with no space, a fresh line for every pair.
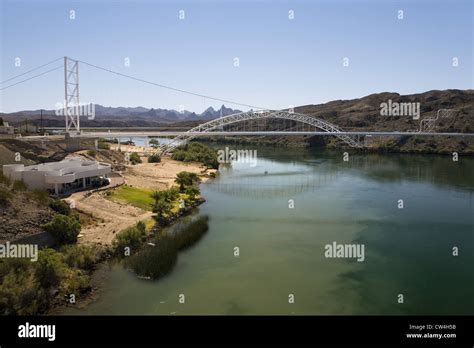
408,251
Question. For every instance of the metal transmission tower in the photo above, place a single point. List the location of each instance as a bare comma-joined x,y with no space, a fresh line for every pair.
71,90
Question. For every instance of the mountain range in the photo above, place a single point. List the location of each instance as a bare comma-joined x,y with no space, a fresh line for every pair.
120,116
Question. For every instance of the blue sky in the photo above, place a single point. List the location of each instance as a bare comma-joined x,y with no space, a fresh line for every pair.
282,62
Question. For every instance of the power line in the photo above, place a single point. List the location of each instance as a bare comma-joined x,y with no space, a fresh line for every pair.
38,67
173,88
30,78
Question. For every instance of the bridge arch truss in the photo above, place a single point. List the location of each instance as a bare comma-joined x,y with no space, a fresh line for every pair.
218,123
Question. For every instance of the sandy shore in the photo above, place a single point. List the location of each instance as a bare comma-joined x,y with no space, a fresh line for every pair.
111,216
161,175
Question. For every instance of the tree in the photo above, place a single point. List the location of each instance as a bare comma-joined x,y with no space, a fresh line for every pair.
154,142
159,195
103,144
184,179
161,207
63,228
192,192
172,194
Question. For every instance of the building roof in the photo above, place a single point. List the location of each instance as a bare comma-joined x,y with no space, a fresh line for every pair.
67,170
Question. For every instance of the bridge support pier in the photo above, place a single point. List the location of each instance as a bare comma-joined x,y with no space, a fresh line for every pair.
72,144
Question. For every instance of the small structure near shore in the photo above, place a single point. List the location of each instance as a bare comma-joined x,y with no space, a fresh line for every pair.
59,177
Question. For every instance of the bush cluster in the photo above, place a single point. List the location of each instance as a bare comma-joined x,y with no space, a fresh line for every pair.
158,260
60,207
29,288
131,238
135,158
196,152
155,158
64,229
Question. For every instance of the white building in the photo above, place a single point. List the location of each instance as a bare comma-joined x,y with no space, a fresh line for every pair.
6,128
59,177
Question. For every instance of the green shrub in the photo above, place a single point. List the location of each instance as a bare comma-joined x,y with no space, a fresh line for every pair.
196,152
91,153
158,260
29,288
135,158
19,185
164,200
103,145
161,207
154,142
172,194
19,293
131,237
155,261
81,256
192,192
50,268
42,158
184,179
60,207
155,158
141,227
64,229
191,233
16,265
178,155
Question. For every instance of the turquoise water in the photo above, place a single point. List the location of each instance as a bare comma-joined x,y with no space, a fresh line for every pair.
282,251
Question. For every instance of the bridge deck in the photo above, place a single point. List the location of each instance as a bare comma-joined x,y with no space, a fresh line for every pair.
128,134
241,133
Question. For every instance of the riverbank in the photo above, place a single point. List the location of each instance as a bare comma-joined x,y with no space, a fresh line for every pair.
112,216
116,213
109,258
89,227
402,145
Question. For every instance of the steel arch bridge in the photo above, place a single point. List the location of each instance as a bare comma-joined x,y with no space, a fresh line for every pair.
218,123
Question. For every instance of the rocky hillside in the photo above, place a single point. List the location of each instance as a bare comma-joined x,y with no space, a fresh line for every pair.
22,213
364,114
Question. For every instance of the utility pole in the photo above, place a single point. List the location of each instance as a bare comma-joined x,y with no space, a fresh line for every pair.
41,122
